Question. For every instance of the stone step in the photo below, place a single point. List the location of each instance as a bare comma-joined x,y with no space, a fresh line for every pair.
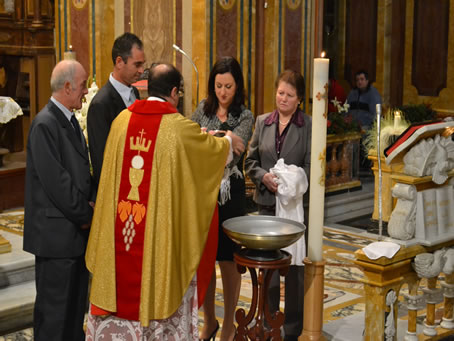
16,266
17,286
16,306
349,205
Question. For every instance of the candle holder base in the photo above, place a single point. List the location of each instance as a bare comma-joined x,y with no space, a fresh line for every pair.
313,300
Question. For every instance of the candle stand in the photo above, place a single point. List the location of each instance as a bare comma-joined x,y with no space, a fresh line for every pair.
266,264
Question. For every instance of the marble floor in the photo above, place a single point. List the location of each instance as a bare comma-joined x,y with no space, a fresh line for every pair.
343,316
343,291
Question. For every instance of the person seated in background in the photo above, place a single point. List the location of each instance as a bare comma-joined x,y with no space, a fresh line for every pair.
363,99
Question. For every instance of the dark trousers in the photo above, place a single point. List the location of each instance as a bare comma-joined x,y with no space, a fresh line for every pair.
61,299
294,299
294,292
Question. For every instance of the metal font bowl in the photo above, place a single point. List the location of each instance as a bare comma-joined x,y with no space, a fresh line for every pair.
263,232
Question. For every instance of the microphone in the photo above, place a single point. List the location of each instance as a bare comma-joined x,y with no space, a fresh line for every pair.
195,68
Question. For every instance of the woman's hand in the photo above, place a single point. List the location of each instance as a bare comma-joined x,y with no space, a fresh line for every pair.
237,143
269,180
218,133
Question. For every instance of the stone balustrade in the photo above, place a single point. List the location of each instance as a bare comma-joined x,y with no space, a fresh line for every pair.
342,162
388,202
388,277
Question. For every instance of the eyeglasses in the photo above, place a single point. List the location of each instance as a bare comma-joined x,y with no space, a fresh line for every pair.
181,93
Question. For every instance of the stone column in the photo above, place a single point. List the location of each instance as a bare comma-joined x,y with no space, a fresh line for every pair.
448,293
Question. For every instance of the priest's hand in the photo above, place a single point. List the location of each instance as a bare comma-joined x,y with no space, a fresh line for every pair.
269,180
237,143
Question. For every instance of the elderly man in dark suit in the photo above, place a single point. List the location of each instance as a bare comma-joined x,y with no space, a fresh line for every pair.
116,95
59,208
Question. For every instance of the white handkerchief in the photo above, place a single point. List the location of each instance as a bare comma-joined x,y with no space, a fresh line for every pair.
379,249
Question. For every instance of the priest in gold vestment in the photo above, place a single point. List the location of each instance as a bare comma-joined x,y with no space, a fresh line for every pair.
153,239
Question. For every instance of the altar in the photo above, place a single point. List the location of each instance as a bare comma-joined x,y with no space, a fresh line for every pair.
12,166
418,199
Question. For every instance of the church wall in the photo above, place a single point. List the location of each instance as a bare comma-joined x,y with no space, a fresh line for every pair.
404,44
205,29
435,55
287,41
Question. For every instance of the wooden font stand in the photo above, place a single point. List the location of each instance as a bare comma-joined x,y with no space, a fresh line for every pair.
259,301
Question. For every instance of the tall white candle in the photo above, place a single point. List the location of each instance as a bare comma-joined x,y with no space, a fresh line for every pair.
318,158
69,55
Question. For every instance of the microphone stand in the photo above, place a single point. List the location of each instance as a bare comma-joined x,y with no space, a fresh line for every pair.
380,211
195,68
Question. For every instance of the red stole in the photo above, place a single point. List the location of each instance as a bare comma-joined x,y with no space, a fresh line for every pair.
132,209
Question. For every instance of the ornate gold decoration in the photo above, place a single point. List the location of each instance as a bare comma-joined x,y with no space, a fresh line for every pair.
226,4
131,216
138,211
140,143
124,210
135,179
137,162
324,96
129,232
79,4
322,158
293,4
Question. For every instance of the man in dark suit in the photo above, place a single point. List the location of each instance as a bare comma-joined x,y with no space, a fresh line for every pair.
116,95
59,208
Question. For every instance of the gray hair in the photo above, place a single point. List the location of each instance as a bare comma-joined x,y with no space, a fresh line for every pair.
63,72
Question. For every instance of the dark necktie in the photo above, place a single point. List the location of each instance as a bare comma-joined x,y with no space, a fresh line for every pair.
76,126
132,97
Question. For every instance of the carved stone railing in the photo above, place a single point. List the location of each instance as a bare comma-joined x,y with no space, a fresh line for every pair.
384,278
342,162
388,171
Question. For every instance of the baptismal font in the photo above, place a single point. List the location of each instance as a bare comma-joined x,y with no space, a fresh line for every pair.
262,237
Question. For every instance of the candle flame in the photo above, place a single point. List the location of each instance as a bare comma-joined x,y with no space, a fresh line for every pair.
323,54
70,47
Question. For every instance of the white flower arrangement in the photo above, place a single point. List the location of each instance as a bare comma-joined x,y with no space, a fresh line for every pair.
9,109
341,108
81,114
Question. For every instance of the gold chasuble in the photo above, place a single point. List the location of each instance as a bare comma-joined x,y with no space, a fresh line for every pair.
156,202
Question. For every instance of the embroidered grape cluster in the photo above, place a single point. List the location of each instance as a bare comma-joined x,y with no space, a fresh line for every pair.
129,232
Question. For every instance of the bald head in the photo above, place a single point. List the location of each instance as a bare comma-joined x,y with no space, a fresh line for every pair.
68,83
64,72
162,79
